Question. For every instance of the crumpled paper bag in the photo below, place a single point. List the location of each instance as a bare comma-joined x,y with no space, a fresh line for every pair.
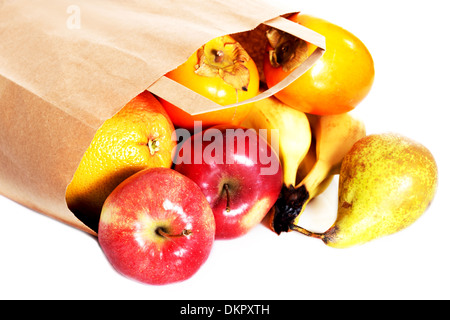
66,66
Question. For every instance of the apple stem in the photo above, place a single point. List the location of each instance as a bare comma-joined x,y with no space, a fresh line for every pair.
160,231
225,186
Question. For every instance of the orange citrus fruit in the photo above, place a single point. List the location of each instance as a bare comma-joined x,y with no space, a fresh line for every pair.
137,137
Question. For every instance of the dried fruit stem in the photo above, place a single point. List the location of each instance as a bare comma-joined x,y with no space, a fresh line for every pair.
287,51
308,233
227,63
219,56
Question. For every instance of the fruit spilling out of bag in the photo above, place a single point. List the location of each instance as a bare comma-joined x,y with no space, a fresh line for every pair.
174,182
159,185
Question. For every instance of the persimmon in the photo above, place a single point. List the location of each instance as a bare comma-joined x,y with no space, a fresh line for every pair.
335,84
222,71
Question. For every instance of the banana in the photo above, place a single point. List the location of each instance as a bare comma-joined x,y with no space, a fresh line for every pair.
334,136
292,127
306,166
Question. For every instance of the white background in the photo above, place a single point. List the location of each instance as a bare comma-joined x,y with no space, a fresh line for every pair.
41,258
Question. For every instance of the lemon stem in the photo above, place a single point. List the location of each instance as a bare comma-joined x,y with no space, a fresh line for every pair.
153,145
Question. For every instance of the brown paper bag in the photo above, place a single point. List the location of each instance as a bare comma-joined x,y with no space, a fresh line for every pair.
67,66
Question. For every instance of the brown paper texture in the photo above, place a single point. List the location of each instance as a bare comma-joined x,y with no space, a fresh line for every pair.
67,66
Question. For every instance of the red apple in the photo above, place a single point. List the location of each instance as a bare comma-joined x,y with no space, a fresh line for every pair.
156,227
238,172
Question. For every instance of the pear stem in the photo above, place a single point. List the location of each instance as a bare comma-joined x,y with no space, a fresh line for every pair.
160,231
308,233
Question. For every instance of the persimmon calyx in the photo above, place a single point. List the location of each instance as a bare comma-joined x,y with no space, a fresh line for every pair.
227,62
287,51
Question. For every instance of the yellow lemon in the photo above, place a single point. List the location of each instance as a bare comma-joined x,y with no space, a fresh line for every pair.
139,136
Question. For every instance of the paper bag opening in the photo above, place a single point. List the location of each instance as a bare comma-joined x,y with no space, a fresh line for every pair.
194,103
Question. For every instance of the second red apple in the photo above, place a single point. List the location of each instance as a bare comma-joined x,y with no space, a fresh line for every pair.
239,173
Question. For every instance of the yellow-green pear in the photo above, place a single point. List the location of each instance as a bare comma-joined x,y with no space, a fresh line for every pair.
386,182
